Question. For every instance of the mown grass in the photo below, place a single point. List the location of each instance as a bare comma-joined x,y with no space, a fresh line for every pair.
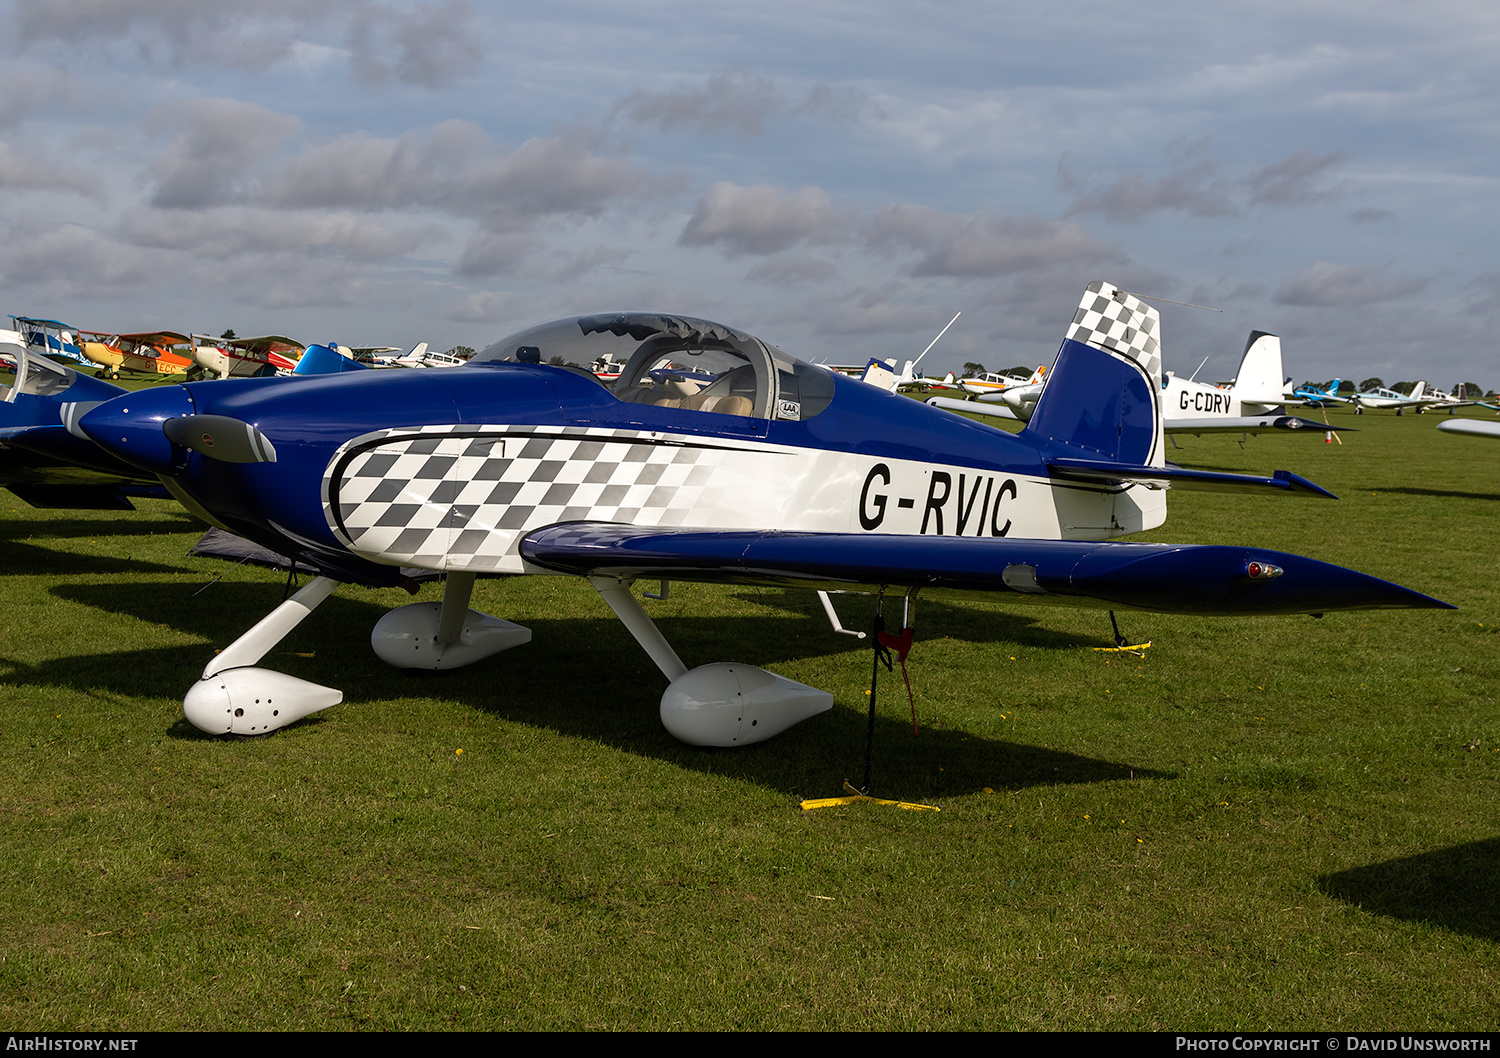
1274,823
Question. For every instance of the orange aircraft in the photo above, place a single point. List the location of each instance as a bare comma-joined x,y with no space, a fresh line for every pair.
150,352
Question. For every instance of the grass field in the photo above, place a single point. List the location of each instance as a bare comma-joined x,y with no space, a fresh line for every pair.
1263,824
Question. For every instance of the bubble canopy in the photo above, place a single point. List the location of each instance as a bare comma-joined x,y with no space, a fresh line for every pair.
676,361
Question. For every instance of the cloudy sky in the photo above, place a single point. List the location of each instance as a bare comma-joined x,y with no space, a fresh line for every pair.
837,178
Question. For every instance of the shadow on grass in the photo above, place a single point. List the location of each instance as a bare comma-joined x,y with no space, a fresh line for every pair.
28,555
935,620
1441,494
1457,888
143,523
29,560
585,677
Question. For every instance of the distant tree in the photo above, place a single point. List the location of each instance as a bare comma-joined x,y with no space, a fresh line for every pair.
1020,371
464,351
1348,387
229,334
1404,388
557,361
973,370
1371,383
1471,390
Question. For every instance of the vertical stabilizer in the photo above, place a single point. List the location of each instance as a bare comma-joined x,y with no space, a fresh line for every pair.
1260,374
1103,394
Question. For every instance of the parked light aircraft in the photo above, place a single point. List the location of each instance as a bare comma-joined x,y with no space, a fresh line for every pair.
1380,399
50,338
1316,397
368,355
775,472
269,354
992,384
40,461
421,356
149,353
1451,401
882,373
1251,404
45,465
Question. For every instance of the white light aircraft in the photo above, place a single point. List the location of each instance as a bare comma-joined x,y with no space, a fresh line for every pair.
1249,405
882,373
1382,399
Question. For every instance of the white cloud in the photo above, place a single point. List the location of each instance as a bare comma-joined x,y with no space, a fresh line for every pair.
490,307
36,170
1326,284
764,219
225,233
73,261
739,101
1200,187
215,146
433,45
430,45
985,244
793,270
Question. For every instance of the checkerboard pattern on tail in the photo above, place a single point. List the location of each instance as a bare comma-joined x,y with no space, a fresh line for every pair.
1109,318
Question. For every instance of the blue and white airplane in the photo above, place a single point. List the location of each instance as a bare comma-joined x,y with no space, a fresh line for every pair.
773,471
1315,397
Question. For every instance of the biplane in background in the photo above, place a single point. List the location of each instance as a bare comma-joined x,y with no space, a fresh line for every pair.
50,338
269,354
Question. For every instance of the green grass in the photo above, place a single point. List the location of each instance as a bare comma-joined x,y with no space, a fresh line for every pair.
1264,824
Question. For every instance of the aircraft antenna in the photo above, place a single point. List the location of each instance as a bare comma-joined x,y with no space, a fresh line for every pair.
1184,304
940,333
1194,375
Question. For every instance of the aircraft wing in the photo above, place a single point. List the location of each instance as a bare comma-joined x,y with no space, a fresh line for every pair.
1163,578
263,344
1209,424
1476,427
978,407
1245,424
168,338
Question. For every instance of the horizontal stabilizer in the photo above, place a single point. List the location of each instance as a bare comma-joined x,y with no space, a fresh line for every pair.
1164,578
1180,478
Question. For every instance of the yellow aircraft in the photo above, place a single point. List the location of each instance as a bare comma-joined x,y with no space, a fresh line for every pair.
150,352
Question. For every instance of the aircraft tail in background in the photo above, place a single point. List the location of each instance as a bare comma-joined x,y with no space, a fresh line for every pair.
1259,380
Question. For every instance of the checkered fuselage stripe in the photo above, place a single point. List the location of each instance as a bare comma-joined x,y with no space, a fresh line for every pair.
461,496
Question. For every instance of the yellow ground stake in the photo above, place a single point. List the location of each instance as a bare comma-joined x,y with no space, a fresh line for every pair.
855,797
1138,650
